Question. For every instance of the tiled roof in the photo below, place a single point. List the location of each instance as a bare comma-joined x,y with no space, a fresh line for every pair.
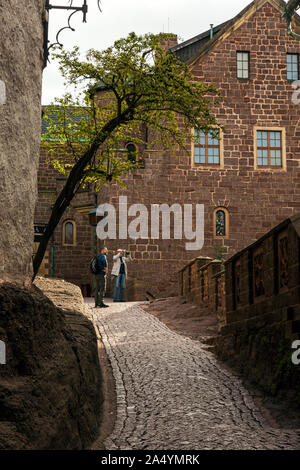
189,48
72,118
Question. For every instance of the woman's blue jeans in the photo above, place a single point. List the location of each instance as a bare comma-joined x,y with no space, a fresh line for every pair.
119,282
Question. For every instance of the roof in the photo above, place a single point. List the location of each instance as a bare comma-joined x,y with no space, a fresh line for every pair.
187,49
101,86
194,48
72,118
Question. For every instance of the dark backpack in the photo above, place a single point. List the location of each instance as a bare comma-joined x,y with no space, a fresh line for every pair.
94,265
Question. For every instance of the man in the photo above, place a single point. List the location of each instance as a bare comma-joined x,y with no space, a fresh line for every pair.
102,270
119,270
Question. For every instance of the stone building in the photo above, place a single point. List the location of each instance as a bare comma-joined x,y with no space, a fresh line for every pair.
21,65
247,177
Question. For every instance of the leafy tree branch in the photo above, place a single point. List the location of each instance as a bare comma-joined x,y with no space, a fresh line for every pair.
132,85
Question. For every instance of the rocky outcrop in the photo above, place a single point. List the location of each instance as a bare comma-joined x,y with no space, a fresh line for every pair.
50,387
21,64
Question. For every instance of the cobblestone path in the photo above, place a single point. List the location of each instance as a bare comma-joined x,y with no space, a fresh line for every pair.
174,395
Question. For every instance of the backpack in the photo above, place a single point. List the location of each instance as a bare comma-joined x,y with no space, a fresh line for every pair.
94,265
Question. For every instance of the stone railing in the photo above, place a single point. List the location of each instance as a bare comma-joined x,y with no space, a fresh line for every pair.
257,302
202,281
264,278
262,318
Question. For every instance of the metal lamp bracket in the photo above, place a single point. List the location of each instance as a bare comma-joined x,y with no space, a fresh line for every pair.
48,7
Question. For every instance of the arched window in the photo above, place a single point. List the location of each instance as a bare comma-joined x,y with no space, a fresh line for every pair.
221,222
131,153
69,233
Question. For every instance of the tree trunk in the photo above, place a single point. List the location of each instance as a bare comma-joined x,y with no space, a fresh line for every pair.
68,191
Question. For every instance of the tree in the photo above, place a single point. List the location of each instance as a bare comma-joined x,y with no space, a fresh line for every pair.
289,10
141,85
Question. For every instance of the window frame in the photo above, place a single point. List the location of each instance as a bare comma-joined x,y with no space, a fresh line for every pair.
270,167
292,54
217,166
226,212
64,233
237,70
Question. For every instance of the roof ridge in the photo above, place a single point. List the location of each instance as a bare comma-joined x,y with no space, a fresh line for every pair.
198,37
255,4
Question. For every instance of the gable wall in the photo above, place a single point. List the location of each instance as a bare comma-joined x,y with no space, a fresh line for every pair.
256,199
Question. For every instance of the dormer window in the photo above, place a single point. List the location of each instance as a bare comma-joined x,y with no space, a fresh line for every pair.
243,64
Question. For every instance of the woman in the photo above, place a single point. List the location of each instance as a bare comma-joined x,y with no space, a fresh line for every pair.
119,270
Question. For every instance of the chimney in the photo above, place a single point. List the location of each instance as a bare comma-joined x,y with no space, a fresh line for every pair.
168,42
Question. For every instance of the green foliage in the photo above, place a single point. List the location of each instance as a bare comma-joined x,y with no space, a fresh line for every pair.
220,251
289,11
141,86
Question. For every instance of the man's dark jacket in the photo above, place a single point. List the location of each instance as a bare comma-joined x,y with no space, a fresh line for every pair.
101,264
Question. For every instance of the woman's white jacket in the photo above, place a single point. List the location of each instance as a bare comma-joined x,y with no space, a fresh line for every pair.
117,264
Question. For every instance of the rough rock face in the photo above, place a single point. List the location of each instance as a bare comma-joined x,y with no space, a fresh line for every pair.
50,387
21,63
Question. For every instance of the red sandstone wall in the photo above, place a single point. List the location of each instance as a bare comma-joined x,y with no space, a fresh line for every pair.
256,199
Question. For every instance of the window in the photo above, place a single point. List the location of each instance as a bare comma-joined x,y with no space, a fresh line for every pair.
131,153
243,64
292,66
221,222
269,148
69,233
207,147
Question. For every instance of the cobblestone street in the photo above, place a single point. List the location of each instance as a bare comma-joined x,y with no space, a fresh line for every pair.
174,395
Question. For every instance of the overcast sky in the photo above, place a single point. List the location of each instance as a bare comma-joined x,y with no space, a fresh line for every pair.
186,18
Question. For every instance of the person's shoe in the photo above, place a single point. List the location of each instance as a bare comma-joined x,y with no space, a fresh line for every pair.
103,306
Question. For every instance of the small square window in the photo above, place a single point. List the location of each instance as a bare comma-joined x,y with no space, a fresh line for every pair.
243,65
292,67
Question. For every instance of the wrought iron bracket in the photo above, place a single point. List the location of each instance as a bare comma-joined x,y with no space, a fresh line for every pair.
48,7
